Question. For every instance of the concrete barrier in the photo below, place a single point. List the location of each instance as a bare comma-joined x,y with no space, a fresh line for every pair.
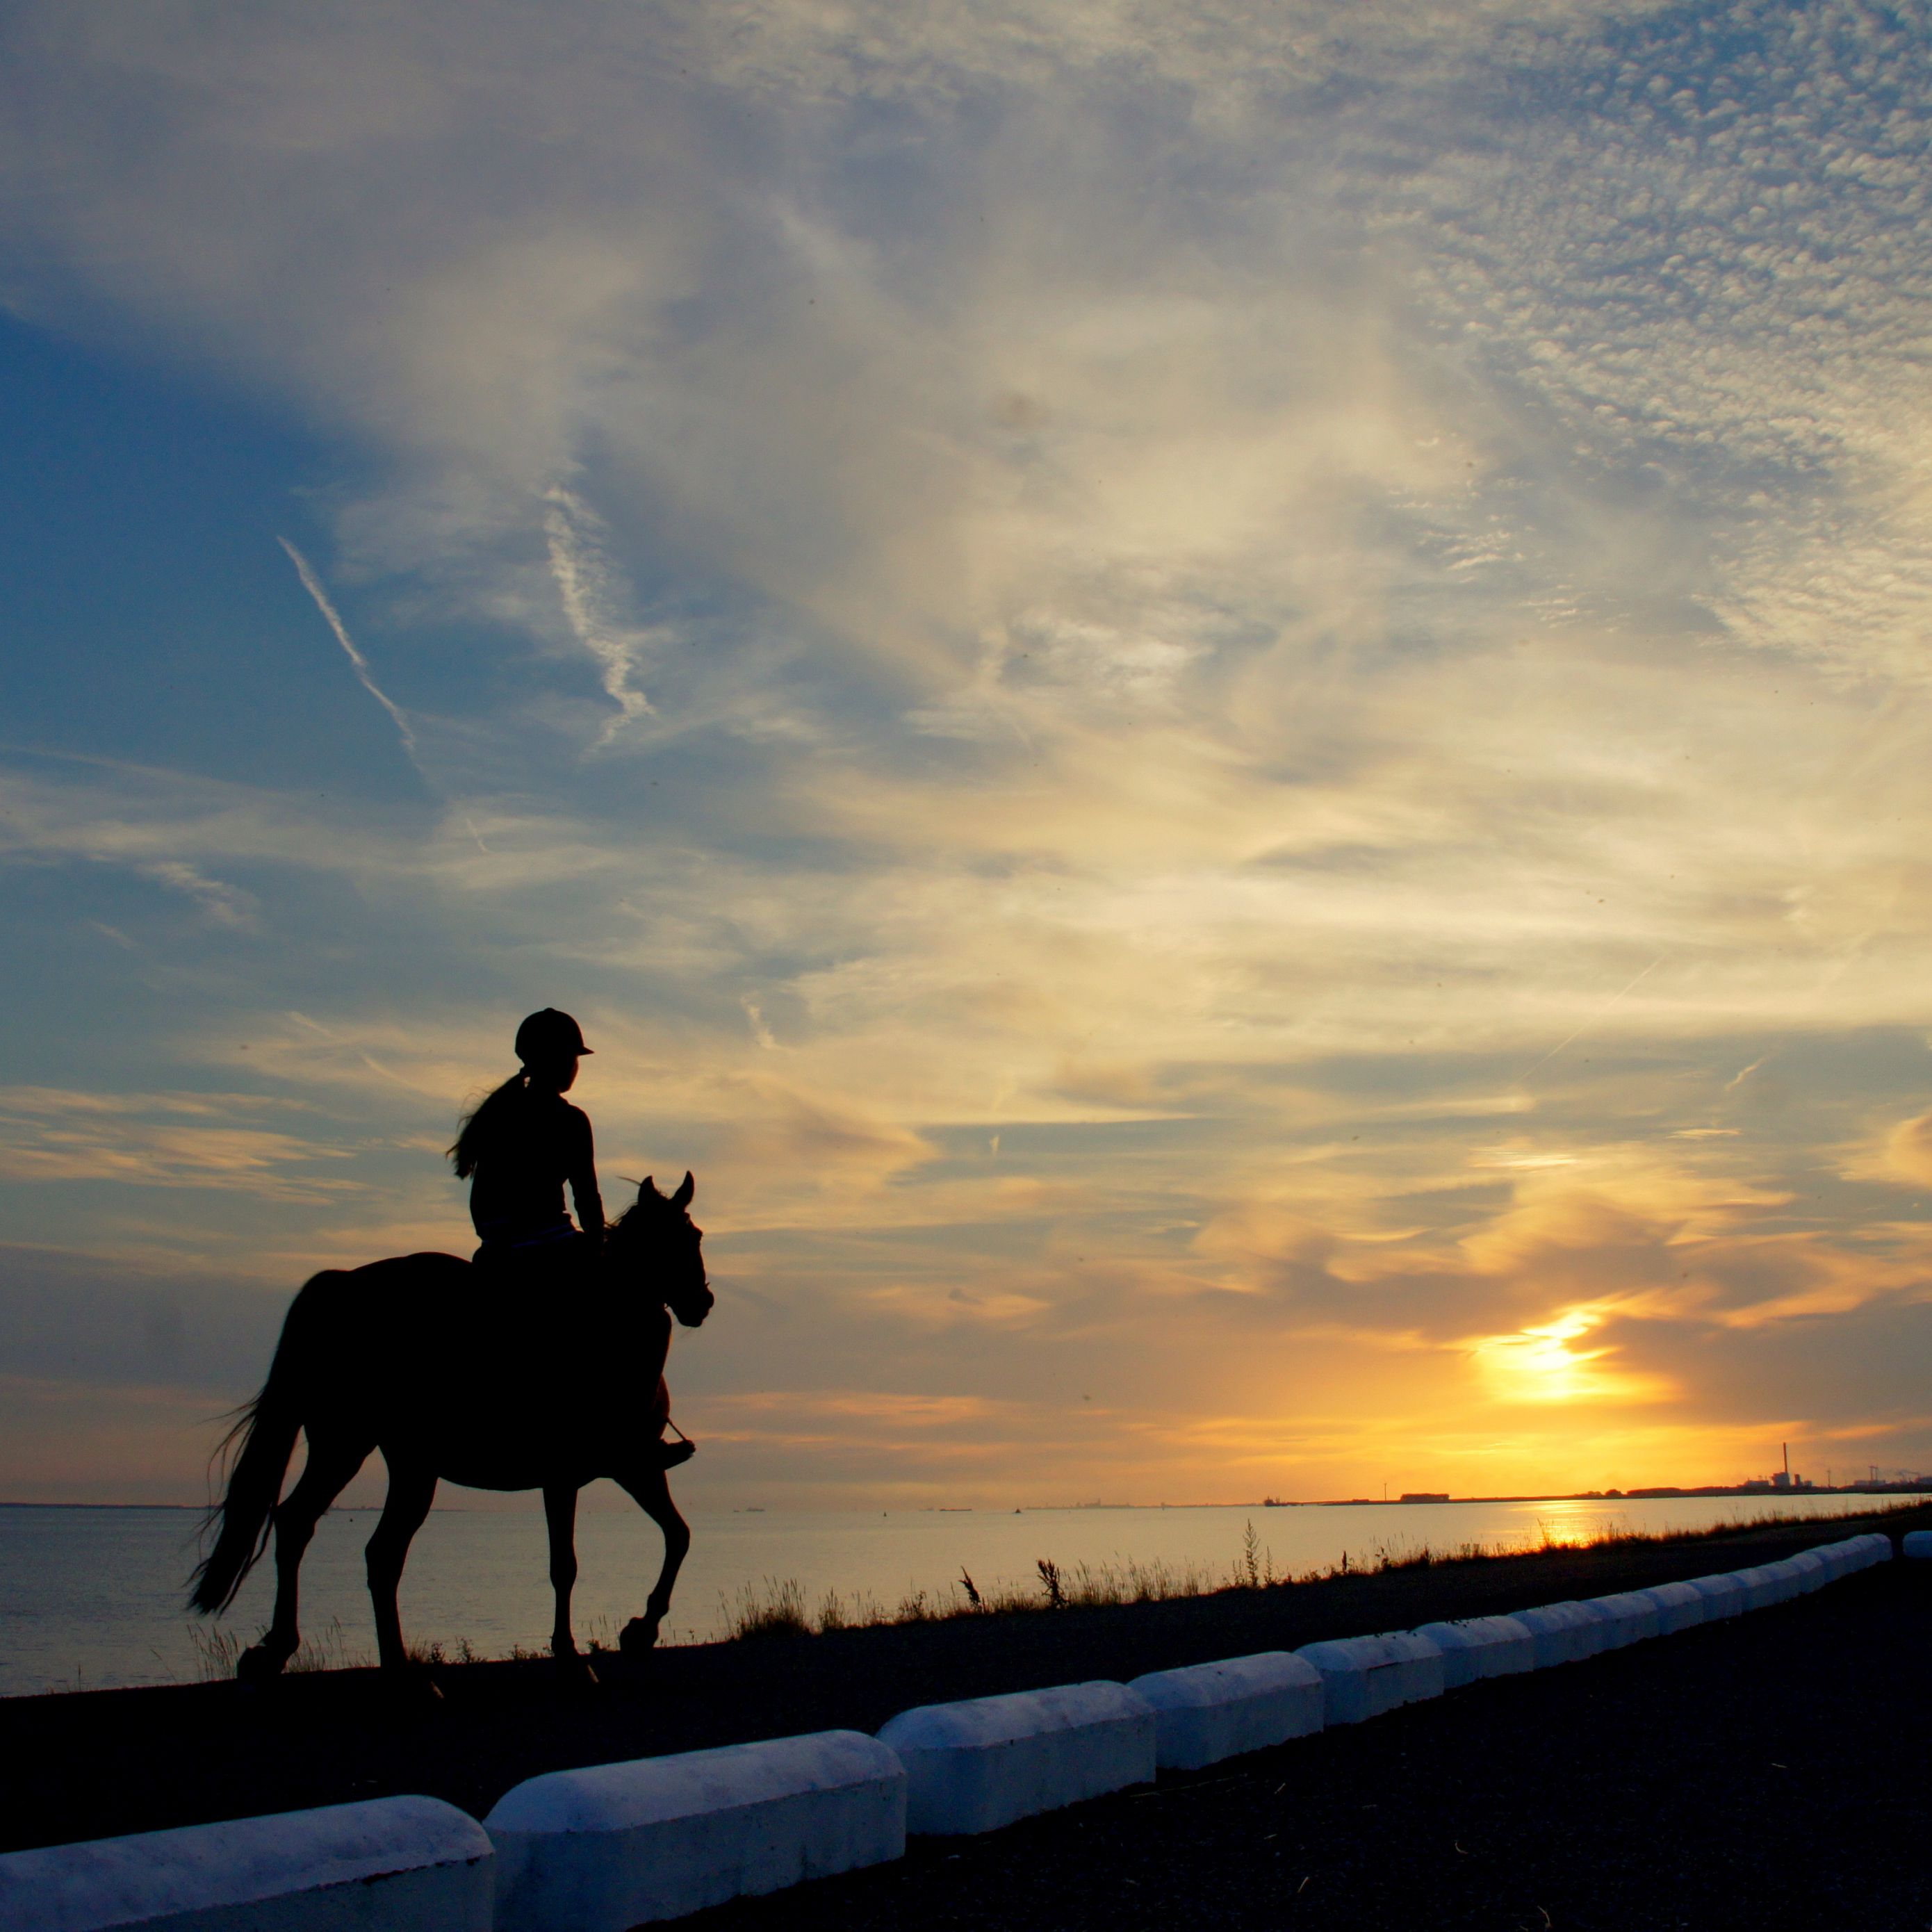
1860,1553
390,1865
1363,1676
1723,1596
1628,1617
1759,1585
1812,1573
1565,1633
1209,1711
613,1845
1679,1606
976,1766
1837,1557
1918,1544
1478,1647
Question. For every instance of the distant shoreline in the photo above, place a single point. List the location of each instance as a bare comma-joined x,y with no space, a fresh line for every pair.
1410,1502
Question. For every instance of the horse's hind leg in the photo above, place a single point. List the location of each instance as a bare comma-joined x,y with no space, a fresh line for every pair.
330,1466
651,1494
412,1490
560,1519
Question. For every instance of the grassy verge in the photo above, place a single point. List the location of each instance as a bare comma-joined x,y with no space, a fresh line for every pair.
778,1606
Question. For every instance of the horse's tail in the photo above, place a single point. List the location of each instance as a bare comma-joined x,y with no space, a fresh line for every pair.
260,1443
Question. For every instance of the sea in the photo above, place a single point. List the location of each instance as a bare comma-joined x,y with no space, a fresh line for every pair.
92,1598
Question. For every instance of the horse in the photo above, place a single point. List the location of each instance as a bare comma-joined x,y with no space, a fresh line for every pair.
454,1371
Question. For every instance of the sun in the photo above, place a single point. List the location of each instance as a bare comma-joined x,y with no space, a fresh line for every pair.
1538,1364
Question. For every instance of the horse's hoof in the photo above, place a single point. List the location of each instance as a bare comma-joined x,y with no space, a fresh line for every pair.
259,1664
638,1637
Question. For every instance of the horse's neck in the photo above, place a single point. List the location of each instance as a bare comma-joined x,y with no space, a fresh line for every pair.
641,1333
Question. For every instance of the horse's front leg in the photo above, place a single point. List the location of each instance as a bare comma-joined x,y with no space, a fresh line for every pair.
651,1494
560,1518
412,1490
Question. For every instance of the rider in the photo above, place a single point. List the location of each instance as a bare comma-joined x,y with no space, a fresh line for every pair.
518,1149
521,1146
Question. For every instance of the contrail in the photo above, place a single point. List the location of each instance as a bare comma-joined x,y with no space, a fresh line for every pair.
313,585
585,588
1594,1017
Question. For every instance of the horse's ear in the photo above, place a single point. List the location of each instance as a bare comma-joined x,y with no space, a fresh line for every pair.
647,1186
682,1199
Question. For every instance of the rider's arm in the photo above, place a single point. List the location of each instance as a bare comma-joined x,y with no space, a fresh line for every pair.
583,1194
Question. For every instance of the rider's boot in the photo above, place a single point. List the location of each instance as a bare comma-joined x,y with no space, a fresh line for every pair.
671,1454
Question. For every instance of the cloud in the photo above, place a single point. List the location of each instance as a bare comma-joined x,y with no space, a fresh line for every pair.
1238,658
185,1142
1908,1149
588,587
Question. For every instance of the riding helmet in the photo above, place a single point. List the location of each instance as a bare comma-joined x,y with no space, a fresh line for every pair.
546,1034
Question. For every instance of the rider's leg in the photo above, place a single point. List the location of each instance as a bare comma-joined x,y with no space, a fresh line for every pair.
560,1518
651,1494
330,1466
412,1490
670,1454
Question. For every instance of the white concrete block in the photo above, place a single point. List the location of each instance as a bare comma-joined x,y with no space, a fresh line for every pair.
1759,1585
1723,1596
1565,1633
390,1865
1209,1711
1917,1544
1630,1617
1679,1606
1811,1572
1364,1676
1839,1559
1478,1647
613,1845
975,1765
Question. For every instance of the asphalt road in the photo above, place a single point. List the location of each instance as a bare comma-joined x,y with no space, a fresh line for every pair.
1768,1772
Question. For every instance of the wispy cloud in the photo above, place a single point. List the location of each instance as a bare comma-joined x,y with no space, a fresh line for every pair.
588,585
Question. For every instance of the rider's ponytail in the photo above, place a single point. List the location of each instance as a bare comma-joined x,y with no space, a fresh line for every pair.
473,1131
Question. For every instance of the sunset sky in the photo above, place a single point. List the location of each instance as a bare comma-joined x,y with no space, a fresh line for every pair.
1224,707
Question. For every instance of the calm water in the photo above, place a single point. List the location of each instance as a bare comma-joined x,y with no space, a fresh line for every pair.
91,1597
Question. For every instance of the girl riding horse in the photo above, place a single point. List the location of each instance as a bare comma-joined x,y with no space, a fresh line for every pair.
517,1150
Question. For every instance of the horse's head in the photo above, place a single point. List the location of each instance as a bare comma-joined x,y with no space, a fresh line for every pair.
655,1236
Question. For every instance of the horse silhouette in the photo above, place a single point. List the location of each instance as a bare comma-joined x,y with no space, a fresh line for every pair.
492,1380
